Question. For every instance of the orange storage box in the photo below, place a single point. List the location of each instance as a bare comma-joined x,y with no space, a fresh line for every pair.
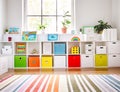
34,61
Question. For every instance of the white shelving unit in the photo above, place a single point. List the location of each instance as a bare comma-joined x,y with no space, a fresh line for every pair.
58,54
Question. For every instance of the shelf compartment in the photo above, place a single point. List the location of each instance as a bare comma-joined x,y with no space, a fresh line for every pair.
20,61
87,48
74,48
33,61
60,61
20,48
59,48
47,48
101,60
47,61
74,61
33,48
87,61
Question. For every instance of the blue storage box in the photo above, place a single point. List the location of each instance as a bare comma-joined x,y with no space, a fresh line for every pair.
59,48
52,37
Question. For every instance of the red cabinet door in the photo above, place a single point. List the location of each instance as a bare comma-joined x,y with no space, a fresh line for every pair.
74,61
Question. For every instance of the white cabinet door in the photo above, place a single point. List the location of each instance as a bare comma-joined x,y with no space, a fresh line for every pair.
47,48
114,60
113,47
59,61
3,65
87,61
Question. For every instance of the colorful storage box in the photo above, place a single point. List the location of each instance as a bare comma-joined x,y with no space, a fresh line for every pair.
87,61
59,48
19,61
74,61
34,61
101,60
47,61
60,61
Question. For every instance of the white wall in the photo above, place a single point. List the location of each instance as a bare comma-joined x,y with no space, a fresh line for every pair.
116,15
3,16
14,13
90,11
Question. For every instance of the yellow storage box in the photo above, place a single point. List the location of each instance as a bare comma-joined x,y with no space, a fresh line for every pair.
47,61
101,60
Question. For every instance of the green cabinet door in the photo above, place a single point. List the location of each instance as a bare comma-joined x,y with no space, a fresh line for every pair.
19,61
101,60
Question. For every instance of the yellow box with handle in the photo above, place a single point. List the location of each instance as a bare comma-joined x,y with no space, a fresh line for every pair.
101,60
47,61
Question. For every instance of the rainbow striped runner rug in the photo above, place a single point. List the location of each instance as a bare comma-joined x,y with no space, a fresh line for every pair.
61,83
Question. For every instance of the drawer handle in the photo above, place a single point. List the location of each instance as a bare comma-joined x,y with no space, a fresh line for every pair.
114,42
20,58
87,56
89,45
114,56
101,47
89,50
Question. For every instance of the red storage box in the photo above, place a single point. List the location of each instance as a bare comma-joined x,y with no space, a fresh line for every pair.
74,61
34,61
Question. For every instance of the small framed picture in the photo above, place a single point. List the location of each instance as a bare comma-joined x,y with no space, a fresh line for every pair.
14,30
29,36
89,30
52,37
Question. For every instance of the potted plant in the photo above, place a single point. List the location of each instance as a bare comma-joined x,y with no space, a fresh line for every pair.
101,26
6,31
42,27
65,22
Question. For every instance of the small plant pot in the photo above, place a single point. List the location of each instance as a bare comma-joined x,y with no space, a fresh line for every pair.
64,30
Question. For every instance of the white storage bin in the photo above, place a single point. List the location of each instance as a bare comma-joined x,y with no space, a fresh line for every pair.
113,47
47,48
87,61
114,60
88,46
89,51
101,50
59,61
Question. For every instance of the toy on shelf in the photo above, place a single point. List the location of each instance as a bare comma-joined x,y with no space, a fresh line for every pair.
75,50
20,48
34,51
75,38
7,50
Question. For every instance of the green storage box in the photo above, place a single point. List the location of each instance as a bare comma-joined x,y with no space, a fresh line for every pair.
19,61
101,60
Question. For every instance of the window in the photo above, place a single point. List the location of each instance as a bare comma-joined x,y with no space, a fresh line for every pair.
47,12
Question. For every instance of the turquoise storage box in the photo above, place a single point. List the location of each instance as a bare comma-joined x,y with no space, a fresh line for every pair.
59,48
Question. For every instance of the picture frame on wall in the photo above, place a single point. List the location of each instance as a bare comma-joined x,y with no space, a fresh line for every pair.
89,30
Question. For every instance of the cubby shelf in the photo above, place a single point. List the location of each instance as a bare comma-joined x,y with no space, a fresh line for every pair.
62,53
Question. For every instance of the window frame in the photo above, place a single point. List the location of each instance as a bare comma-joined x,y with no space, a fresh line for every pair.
24,14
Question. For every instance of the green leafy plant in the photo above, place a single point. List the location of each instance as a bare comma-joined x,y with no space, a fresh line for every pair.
6,30
101,26
66,21
42,27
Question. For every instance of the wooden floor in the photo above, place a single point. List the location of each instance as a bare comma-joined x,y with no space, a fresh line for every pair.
63,71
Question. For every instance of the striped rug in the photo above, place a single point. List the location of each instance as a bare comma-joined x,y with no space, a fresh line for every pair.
60,83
